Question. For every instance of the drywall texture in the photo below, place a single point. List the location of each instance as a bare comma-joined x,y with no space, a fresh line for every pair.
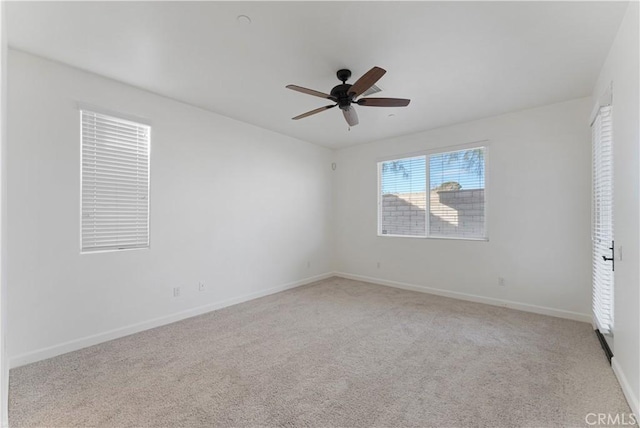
621,71
235,206
4,365
538,212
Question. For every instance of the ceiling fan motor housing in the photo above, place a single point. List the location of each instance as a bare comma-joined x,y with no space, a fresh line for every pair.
342,96
341,92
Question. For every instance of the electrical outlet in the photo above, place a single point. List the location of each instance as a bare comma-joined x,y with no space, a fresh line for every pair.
176,291
308,264
501,282
378,265
201,286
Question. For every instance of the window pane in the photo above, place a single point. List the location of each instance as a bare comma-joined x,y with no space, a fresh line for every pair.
457,194
403,199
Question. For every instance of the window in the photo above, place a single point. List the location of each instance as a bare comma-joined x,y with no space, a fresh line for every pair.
455,200
115,183
602,224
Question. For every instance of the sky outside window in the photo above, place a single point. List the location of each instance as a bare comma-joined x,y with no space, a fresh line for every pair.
465,167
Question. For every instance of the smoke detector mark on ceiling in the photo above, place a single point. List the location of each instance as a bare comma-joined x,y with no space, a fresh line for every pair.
244,19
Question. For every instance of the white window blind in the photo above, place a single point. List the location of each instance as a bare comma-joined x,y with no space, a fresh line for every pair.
434,195
602,225
115,183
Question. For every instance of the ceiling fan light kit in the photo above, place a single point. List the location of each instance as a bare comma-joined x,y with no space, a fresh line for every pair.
344,95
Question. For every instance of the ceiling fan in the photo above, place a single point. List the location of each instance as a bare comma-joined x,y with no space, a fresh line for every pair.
345,94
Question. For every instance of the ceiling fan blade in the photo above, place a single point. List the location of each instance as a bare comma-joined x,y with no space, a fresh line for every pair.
350,116
366,81
383,102
310,92
318,110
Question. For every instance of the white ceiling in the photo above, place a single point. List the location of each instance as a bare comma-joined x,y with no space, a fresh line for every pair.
457,61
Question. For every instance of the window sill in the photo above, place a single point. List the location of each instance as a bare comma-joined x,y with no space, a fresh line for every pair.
446,238
112,250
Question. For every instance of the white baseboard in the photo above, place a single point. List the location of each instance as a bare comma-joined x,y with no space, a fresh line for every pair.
74,345
626,389
560,313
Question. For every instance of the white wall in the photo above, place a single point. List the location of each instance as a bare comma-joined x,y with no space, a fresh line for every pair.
539,212
238,207
621,69
4,366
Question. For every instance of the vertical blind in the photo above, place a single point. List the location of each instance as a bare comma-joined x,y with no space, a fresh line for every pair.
115,183
602,224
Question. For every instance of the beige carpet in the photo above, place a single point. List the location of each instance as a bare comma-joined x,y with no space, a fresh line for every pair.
334,353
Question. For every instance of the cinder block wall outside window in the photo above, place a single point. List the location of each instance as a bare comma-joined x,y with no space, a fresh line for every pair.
459,213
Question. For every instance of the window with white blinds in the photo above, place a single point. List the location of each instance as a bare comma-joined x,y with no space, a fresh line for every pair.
115,183
433,195
602,224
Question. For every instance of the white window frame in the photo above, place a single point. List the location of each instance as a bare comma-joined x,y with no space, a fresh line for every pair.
485,144
83,107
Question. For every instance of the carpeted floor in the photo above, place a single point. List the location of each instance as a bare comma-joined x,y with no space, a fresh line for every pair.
334,353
